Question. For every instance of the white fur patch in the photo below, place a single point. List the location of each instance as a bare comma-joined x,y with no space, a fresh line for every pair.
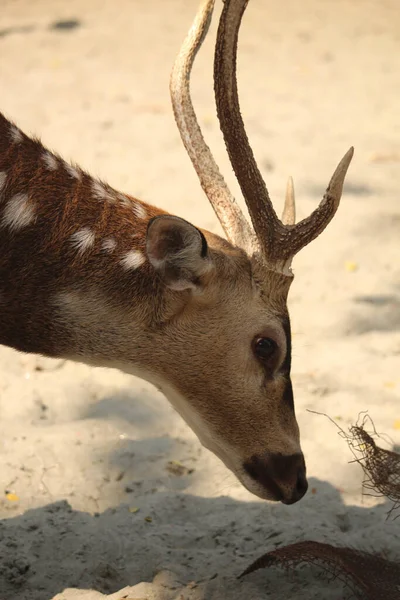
133,259
3,177
100,192
83,239
72,171
18,213
50,161
16,134
137,208
109,244
125,201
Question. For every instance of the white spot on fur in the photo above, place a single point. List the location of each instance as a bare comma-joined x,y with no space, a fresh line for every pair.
72,171
16,134
83,239
109,244
137,208
50,161
18,213
133,259
100,192
3,177
125,201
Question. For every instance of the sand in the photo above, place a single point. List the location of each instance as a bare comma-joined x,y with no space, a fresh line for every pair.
89,502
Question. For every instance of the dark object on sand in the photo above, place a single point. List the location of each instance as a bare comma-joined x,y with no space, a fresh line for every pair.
367,576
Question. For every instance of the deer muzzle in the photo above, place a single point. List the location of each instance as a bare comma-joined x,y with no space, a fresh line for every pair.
283,476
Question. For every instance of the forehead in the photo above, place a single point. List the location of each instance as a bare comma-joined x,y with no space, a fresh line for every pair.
257,291
271,287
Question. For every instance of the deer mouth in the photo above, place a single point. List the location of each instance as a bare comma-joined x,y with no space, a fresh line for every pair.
265,482
281,476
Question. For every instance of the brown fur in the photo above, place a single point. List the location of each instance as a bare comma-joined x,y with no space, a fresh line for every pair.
194,345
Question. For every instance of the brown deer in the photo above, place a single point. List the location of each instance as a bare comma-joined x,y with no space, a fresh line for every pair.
94,275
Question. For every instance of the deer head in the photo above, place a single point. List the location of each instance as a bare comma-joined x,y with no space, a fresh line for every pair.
240,391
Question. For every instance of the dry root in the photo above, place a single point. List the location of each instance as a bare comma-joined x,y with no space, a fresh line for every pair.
368,576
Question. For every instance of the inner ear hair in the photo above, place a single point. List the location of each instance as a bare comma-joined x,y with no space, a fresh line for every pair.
178,251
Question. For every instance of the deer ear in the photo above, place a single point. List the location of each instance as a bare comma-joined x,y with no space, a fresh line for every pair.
178,251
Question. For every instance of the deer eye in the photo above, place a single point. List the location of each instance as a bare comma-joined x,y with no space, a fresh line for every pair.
265,348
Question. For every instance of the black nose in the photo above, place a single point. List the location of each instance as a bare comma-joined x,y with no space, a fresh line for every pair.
300,489
283,476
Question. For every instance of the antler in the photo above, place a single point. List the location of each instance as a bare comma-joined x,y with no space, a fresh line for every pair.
279,241
233,222
289,210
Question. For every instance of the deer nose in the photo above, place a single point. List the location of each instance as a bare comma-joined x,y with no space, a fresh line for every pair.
282,475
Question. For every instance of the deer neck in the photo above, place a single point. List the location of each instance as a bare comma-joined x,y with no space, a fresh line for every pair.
73,270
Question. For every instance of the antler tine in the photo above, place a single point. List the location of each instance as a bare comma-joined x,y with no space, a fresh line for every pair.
309,228
265,221
289,210
233,222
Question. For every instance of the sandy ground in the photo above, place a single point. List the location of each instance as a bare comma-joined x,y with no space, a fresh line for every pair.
82,449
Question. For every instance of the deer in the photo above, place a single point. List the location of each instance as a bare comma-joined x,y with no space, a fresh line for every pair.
90,274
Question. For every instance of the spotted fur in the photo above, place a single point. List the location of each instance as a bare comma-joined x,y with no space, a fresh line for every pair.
92,274
54,228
